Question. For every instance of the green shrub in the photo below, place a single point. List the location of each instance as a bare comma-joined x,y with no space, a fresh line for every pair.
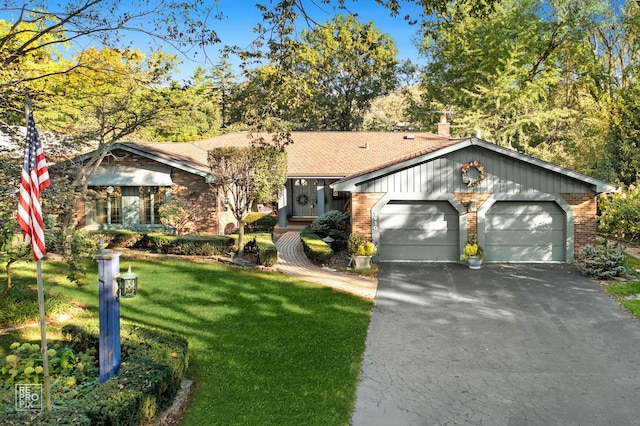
620,214
66,367
267,253
359,246
602,261
189,245
115,238
316,250
73,375
153,366
334,224
76,247
175,215
259,222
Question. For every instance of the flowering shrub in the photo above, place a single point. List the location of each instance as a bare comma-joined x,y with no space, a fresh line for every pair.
620,214
67,369
360,246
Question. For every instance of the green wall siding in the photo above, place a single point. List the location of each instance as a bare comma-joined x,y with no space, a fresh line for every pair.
503,175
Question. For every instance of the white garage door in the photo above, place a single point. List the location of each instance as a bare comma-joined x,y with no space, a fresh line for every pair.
525,232
419,230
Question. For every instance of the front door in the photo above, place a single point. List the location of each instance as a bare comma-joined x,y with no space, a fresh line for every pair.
130,206
304,203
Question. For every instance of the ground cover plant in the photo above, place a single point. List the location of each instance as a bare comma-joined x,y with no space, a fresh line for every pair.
627,293
264,348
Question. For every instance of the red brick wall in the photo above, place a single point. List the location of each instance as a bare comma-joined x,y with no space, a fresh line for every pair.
186,187
472,216
585,207
361,204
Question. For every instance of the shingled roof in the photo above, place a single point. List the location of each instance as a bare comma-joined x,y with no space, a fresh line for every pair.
313,154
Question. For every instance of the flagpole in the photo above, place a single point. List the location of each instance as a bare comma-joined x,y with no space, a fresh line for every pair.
43,334
43,323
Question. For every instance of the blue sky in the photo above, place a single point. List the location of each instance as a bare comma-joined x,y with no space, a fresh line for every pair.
240,16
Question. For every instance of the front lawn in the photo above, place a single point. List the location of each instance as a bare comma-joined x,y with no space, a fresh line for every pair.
265,348
628,294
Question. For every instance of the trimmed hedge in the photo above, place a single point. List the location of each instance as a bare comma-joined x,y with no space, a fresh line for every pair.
267,251
116,238
189,244
152,368
316,250
259,222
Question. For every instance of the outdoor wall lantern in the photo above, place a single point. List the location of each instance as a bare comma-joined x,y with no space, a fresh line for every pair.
473,205
128,284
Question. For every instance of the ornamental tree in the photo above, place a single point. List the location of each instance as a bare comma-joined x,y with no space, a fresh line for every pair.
249,175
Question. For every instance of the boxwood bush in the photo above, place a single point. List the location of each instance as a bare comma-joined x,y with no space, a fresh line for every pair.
117,238
316,250
267,251
259,222
153,366
191,245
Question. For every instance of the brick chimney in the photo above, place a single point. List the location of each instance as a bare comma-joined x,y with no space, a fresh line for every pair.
443,126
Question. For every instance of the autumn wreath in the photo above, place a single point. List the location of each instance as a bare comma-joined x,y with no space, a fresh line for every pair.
472,165
302,199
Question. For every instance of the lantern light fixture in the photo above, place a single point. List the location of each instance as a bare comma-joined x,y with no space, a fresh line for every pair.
128,284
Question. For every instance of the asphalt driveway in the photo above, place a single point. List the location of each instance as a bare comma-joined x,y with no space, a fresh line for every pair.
504,345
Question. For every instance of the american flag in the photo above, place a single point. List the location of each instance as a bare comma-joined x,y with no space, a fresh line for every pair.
35,178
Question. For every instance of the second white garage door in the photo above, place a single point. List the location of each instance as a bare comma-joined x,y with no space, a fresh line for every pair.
517,231
419,230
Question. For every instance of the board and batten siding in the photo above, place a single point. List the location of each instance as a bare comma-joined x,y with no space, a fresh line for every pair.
502,175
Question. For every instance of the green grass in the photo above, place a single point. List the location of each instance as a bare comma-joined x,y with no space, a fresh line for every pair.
265,349
620,290
633,262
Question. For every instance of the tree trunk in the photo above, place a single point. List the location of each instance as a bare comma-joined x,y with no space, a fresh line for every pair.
241,238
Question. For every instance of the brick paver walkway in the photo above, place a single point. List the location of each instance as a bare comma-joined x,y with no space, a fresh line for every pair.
292,261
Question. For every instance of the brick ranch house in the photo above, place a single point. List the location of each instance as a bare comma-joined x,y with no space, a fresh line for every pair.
406,192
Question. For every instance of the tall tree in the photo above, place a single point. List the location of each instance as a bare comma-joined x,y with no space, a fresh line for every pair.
274,56
540,77
109,101
192,111
39,32
346,65
225,85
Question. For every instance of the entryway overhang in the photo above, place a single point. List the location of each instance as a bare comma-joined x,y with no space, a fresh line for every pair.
130,176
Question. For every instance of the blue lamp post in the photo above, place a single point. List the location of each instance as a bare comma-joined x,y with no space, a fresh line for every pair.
110,287
109,310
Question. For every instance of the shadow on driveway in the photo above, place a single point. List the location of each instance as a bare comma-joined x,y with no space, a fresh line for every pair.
504,345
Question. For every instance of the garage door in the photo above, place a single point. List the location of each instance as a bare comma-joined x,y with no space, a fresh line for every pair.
525,232
418,230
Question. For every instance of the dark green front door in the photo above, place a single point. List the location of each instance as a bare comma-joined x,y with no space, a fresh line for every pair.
304,194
